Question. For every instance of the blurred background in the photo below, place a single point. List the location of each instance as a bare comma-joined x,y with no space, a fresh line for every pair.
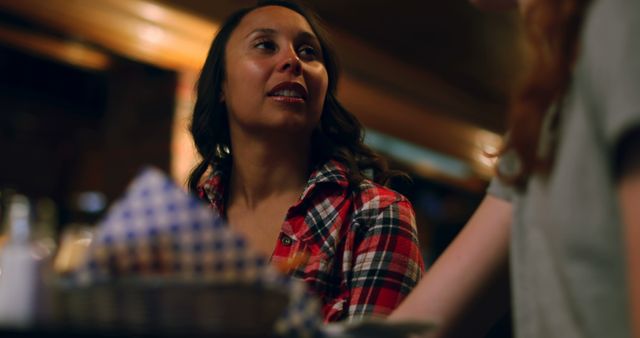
91,91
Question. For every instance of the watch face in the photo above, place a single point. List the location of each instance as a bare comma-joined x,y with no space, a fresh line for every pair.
495,4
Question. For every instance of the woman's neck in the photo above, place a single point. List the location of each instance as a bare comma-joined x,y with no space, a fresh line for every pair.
263,170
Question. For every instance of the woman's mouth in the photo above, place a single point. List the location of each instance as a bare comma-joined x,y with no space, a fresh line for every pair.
288,92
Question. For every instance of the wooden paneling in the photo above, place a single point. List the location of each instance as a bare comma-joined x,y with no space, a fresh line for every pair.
414,123
71,52
386,95
140,30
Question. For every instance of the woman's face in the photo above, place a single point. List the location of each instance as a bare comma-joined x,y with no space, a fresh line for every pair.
275,76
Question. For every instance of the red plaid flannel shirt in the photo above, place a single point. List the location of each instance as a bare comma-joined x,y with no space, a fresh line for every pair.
362,243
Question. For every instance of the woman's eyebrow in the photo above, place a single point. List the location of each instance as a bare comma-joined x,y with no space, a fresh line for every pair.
266,31
270,31
309,36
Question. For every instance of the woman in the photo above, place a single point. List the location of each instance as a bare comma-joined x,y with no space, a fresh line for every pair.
288,166
565,207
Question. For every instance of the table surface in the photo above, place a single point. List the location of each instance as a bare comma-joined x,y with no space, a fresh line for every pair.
76,333
139,310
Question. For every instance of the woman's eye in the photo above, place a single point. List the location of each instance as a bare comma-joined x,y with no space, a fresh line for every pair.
266,45
308,52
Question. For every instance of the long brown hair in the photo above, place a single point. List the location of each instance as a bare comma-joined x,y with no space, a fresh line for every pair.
552,29
339,135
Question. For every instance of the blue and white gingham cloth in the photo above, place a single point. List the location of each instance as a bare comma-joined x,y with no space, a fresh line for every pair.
157,229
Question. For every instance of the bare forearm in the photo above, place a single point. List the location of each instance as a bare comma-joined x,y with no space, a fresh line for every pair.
627,171
630,205
470,274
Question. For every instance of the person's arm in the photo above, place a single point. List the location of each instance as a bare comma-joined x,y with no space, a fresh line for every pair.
467,287
628,172
629,192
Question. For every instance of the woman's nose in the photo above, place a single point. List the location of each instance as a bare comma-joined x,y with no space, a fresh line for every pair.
291,63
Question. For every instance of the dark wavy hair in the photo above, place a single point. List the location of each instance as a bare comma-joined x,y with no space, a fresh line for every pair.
339,134
552,29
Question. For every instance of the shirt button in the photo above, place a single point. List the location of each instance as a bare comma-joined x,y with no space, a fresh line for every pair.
286,240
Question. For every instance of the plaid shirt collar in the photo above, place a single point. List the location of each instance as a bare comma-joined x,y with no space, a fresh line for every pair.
330,172
362,249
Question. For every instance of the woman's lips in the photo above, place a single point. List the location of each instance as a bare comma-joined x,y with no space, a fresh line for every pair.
288,92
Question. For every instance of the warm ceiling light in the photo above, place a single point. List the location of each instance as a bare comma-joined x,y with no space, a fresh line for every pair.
152,12
151,34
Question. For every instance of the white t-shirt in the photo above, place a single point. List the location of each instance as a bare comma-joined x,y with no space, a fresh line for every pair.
567,250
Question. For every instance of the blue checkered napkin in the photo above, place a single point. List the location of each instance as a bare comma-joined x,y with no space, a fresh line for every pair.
158,230
301,318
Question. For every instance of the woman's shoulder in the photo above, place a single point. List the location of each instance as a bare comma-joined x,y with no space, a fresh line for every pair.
377,209
371,195
365,194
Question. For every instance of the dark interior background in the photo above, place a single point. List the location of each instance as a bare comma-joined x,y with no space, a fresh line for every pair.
67,129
